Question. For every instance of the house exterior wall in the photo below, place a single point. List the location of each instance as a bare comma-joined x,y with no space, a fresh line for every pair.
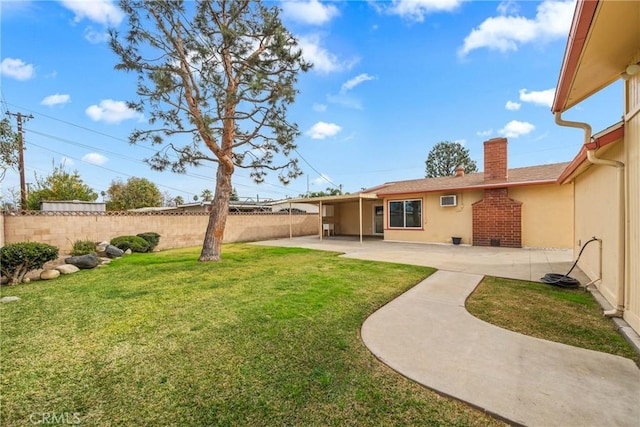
176,230
547,215
632,154
443,223
596,209
439,224
347,216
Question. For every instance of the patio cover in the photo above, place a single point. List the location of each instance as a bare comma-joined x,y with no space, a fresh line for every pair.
332,200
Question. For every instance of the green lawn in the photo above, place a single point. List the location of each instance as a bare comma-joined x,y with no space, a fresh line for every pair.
569,316
268,336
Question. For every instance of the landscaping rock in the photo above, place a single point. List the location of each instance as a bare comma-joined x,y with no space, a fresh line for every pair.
49,274
8,299
101,248
113,251
127,252
83,261
67,269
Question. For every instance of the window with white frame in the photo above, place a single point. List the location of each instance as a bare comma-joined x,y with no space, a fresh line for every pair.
405,213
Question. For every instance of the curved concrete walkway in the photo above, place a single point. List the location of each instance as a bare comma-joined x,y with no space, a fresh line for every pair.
427,335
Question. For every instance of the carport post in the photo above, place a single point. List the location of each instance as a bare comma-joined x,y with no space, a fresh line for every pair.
320,220
360,202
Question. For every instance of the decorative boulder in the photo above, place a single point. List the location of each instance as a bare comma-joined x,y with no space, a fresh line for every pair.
67,269
83,261
101,248
113,251
49,274
127,252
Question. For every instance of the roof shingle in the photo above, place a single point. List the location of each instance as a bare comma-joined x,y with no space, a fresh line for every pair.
531,175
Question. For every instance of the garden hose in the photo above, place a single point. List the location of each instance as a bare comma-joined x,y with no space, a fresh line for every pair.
564,281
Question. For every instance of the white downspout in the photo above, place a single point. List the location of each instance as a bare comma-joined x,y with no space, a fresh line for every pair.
591,157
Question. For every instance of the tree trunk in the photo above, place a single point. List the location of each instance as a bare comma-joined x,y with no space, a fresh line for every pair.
212,246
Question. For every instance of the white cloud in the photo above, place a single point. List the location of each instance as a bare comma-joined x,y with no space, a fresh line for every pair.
541,97
65,162
17,69
512,106
508,7
417,9
345,100
515,128
350,84
320,108
323,60
100,11
504,33
111,111
323,180
57,99
322,130
309,12
94,36
95,159
487,132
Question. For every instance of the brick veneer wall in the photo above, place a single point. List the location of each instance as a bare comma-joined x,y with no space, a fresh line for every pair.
62,229
499,218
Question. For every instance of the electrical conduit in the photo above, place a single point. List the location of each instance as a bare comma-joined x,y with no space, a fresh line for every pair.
594,159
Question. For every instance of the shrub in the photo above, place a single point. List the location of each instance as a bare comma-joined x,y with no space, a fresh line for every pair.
151,237
83,247
135,243
17,259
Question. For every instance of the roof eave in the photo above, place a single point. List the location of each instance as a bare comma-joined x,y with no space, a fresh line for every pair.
474,187
582,19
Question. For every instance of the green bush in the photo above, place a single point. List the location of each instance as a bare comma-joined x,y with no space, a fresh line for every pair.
17,259
135,243
83,247
151,237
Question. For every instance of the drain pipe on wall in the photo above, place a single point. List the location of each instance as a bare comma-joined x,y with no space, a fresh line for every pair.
592,158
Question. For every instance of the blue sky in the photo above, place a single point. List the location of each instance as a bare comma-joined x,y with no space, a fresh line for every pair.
390,80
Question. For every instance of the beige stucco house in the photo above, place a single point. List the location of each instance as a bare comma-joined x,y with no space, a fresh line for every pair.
604,47
499,207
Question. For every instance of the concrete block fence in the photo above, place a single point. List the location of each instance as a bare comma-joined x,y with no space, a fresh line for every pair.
177,230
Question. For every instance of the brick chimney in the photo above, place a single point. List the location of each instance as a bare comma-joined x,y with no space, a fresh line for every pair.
497,219
495,160
460,171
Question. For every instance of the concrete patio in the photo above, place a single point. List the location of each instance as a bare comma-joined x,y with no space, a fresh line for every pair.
524,264
427,335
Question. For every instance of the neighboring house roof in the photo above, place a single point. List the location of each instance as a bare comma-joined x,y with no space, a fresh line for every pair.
600,142
532,175
602,42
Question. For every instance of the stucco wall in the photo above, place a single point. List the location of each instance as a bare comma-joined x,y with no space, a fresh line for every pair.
177,231
596,216
440,224
547,215
632,160
347,217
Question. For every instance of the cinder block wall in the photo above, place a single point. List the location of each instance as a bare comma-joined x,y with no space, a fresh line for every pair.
62,229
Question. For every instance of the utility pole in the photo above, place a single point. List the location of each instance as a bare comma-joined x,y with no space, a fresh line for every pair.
23,189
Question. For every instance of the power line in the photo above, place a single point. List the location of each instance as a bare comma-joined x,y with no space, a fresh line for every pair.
153,150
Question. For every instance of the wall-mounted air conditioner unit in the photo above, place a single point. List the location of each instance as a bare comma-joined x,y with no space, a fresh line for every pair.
449,200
